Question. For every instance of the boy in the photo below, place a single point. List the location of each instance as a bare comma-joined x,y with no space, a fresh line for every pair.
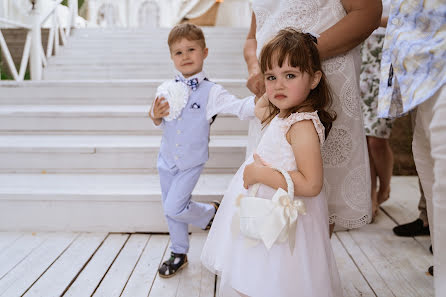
185,141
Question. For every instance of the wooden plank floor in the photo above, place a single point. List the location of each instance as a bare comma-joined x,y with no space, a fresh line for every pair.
372,261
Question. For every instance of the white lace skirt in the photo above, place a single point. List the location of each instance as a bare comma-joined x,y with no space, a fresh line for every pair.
257,272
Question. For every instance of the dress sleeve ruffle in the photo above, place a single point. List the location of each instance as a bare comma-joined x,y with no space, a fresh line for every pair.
301,116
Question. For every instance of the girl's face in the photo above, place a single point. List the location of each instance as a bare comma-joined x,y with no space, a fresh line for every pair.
287,86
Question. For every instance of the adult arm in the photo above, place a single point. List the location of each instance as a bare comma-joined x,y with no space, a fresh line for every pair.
363,17
255,78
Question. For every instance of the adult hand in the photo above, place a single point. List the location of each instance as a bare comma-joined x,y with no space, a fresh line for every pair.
256,84
160,109
251,171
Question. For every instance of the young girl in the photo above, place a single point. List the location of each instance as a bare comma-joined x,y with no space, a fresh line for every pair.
295,111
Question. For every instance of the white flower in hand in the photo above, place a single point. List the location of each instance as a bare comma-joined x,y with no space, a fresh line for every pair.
176,94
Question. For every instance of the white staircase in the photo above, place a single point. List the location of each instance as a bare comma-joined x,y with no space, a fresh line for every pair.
138,54
78,151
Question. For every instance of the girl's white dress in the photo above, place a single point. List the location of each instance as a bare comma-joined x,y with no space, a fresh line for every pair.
253,270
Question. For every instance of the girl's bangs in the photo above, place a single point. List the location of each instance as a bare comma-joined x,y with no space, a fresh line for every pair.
277,54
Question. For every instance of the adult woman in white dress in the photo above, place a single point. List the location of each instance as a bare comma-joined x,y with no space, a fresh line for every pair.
342,26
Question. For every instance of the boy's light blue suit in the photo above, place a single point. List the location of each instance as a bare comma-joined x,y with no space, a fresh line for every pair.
183,153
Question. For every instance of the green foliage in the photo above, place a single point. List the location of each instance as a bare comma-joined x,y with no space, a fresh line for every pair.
79,4
5,72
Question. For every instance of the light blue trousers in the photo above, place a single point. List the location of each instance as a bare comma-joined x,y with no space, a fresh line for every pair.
179,210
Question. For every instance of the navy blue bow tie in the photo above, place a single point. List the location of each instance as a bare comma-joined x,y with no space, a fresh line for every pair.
192,83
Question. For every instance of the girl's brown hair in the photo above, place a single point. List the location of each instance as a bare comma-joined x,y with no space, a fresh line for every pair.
300,50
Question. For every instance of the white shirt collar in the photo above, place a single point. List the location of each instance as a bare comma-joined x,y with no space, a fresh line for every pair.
200,76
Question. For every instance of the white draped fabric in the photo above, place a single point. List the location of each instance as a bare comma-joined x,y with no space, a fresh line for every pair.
180,9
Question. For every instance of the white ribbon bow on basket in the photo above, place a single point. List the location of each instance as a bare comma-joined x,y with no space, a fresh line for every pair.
270,221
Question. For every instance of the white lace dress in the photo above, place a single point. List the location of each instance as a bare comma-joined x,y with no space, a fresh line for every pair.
253,270
346,163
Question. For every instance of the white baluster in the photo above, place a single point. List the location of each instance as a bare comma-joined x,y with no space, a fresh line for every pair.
36,46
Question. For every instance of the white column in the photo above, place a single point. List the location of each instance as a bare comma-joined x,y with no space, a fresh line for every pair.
36,47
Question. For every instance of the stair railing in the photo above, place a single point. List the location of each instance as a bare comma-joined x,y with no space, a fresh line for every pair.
33,50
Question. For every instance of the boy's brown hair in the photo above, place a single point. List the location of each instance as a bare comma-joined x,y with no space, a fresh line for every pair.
300,50
189,31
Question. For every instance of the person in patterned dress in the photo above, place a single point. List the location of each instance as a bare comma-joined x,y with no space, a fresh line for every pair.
377,129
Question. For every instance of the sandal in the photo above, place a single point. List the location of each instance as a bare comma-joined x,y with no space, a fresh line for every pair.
170,267
216,205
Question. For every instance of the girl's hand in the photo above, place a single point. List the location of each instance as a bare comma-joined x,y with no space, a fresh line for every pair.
256,84
261,108
249,174
160,109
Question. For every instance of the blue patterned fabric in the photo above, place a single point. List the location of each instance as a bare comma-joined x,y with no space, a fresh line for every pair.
192,83
413,63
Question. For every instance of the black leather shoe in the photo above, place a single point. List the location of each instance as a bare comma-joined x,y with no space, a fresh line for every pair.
431,270
414,228
216,205
175,263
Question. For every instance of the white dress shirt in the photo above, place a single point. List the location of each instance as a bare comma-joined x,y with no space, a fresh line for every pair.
220,101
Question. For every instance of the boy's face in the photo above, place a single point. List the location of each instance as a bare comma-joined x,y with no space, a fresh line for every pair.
188,56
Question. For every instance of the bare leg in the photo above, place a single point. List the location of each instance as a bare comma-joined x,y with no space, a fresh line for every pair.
373,177
382,156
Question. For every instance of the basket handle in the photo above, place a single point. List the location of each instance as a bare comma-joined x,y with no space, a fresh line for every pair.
253,190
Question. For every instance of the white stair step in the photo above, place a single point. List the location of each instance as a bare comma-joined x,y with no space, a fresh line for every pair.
115,202
111,75
92,119
95,92
104,153
100,187
152,62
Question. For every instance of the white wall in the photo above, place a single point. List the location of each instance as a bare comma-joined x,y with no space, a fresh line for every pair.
19,11
167,13
234,13
16,10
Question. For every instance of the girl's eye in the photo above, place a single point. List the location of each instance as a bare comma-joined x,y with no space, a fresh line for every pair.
178,53
191,49
290,76
270,77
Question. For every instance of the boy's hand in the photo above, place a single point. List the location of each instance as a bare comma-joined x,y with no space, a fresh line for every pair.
160,109
251,170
